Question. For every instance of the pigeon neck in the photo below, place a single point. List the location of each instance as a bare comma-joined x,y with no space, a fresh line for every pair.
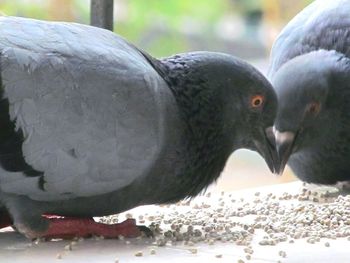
200,105
201,108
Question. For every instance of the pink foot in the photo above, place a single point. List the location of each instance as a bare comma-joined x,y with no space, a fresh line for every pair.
67,228
5,220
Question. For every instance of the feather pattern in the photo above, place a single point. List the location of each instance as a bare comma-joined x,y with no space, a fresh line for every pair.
55,87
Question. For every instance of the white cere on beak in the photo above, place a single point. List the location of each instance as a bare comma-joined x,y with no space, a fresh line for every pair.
283,136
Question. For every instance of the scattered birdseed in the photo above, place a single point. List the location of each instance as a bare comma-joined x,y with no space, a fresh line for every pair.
116,260
327,244
282,254
152,251
311,240
59,256
190,243
218,255
139,254
219,221
68,247
161,242
128,216
248,250
267,242
248,257
240,261
193,250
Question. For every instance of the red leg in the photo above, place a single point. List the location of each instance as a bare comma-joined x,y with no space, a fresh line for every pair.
82,227
5,219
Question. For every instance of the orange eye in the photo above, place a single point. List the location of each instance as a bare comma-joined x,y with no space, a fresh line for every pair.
256,101
314,108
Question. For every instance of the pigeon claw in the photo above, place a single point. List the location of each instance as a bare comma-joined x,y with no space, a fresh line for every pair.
145,231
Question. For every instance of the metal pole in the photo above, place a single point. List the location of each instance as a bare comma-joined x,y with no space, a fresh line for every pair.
101,13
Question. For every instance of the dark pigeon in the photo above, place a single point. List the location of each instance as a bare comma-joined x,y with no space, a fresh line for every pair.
310,71
92,126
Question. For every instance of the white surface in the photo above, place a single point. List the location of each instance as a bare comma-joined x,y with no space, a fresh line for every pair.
15,248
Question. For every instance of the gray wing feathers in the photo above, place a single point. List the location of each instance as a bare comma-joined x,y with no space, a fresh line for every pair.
91,115
322,25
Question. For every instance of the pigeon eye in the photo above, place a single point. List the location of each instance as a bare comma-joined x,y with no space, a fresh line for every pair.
314,108
256,101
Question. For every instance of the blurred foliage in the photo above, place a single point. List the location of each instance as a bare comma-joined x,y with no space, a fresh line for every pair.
70,10
168,23
24,8
144,22
163,27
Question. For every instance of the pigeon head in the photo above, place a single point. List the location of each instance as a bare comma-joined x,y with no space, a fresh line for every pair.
309,111
223,93
251,106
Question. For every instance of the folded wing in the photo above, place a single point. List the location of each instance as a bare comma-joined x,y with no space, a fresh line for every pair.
324,24
90,107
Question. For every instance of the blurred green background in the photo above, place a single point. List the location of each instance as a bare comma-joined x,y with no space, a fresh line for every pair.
244,28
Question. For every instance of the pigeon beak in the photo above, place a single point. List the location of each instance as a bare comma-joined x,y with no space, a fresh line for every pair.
284,144
267,148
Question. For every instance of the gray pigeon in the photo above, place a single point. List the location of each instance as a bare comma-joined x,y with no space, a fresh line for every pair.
310,71
92,126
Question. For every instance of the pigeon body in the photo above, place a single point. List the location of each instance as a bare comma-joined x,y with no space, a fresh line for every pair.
92,126
310,71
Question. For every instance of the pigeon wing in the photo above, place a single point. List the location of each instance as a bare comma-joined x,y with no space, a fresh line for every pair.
322,25
90,107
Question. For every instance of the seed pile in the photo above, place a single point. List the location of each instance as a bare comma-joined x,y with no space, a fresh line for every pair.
282,218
